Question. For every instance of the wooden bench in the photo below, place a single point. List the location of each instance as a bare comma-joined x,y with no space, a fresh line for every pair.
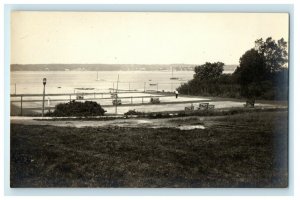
203,106
249,103
211,107
114,95
79,96
189,108
116,102
154,100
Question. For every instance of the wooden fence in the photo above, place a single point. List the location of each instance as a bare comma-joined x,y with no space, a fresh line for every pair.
19,99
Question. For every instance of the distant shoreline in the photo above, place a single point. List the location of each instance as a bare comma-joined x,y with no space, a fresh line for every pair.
108,67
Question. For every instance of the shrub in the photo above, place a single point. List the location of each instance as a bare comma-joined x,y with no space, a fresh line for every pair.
74,108
133,112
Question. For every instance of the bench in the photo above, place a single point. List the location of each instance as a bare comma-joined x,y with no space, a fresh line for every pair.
249,103
154,100
117,102
114,95
79,96
189,108
203,106
211,107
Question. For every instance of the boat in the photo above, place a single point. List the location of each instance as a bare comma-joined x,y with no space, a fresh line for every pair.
98,78
173,78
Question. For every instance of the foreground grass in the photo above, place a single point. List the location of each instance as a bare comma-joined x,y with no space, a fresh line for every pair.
243,150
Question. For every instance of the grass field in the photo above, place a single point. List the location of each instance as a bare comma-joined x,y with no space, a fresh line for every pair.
241,150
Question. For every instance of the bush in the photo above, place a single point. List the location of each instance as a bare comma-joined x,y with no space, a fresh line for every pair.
133,112
74,108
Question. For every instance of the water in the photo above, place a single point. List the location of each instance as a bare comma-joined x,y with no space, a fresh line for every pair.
66,81
30,82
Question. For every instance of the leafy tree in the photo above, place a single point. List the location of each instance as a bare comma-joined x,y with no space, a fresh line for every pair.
209,71
274,54
262,73
259,67
250,72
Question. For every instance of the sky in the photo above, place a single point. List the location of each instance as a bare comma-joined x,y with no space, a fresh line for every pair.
139,38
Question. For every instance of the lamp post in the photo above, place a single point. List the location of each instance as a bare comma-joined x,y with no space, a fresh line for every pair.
44,83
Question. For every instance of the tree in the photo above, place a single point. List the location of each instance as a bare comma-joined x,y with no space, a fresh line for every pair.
274,54
259,67
209,71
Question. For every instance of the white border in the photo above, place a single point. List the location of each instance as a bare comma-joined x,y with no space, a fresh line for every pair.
296,62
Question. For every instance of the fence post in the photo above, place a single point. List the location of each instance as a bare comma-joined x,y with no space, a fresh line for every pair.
142,100
94,95
131,100
144,86
102,95
70,97
157,87
21,105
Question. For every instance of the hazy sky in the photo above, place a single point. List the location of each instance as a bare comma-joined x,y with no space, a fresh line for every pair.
139,38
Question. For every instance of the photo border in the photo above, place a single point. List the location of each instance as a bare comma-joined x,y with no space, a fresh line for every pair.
220,8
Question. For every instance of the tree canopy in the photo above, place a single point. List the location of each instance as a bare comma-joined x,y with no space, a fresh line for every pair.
262,73
260,66
274,54
209,71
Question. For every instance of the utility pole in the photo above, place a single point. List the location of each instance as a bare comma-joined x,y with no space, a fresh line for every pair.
44,83
116,108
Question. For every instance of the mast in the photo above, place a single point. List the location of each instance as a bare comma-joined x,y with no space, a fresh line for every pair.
116,109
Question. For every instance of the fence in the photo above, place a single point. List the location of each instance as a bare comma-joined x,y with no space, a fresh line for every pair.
34,101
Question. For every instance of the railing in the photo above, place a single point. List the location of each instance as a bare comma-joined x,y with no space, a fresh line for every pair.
106,101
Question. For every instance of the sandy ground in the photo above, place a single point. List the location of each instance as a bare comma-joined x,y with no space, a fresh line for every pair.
179,106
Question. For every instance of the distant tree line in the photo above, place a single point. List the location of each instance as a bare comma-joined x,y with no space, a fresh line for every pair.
262,74
100,67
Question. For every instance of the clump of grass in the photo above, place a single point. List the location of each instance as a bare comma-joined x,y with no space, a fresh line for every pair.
133,112
186,120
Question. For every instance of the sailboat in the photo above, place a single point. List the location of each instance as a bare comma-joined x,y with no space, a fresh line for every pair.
98,78
173,78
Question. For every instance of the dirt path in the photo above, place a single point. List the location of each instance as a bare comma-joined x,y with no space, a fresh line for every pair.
183,123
